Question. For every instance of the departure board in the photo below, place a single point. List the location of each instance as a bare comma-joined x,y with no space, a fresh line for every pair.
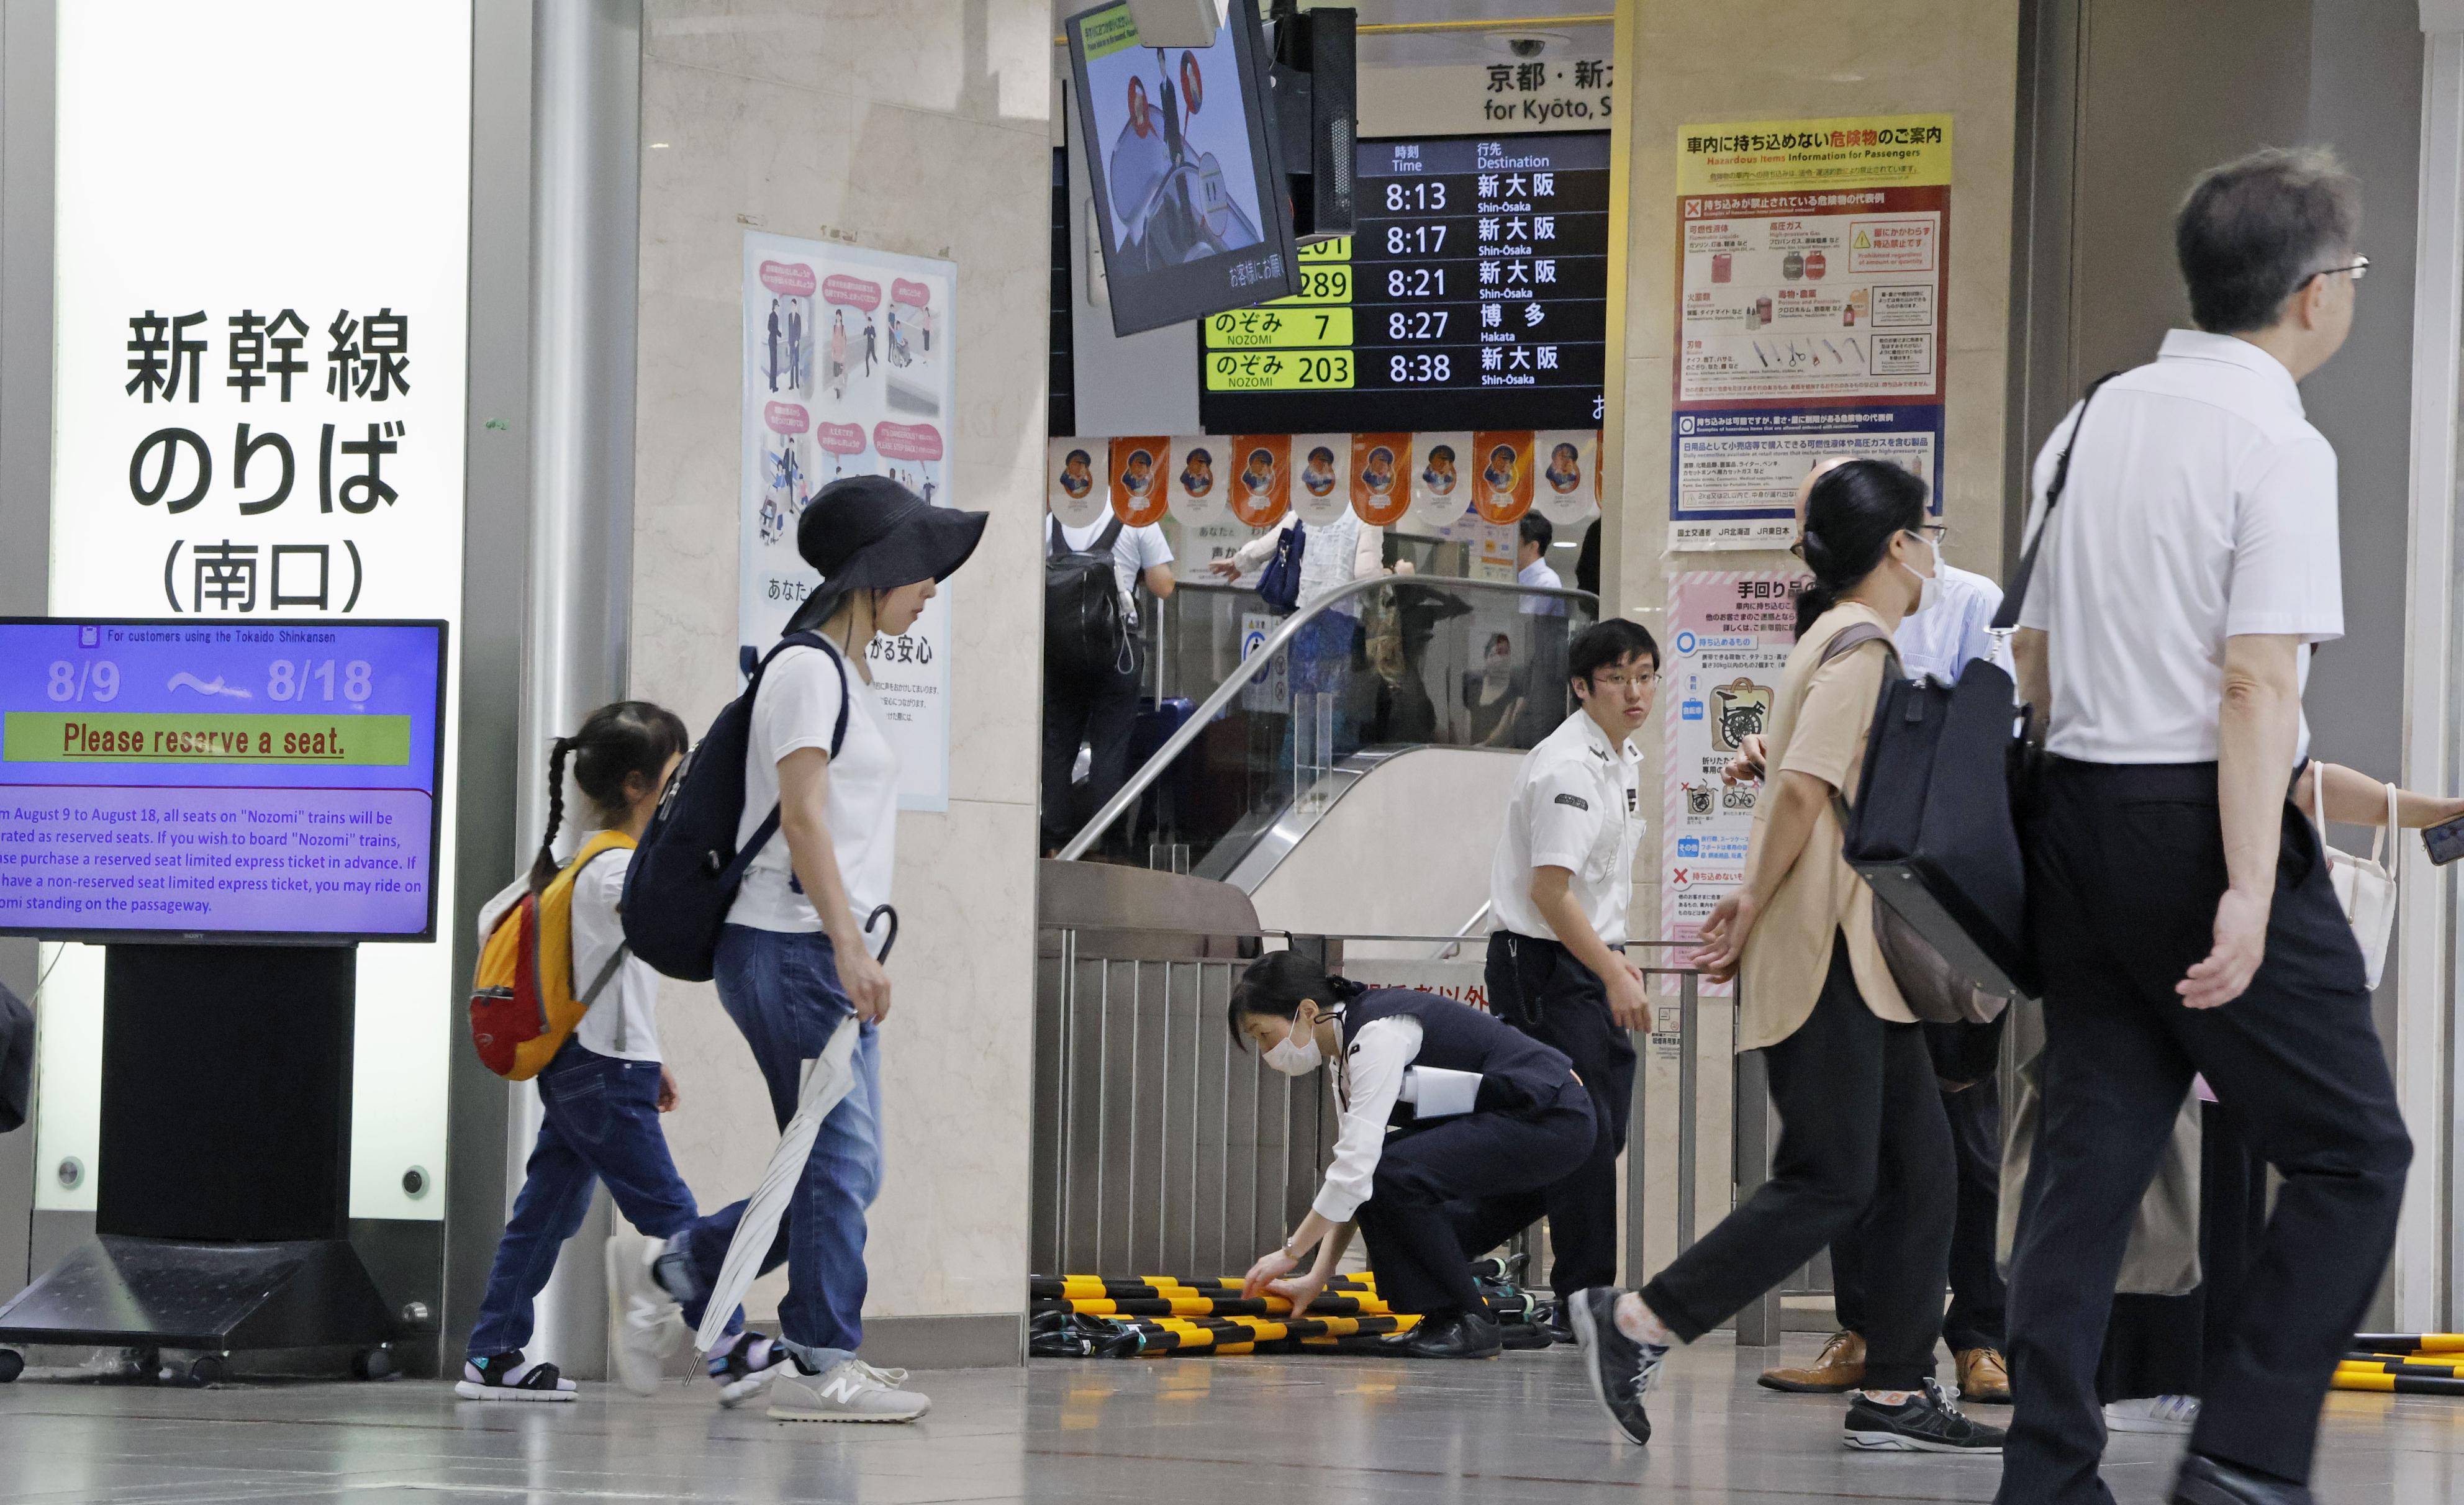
1473,294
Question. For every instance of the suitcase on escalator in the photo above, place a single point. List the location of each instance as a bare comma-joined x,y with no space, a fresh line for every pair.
1162,807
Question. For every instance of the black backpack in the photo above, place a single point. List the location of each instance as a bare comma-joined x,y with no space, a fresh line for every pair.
687,866
1935,829
1932,835
1085,636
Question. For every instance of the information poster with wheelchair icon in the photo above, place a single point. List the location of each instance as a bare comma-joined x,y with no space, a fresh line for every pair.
847,371
1729,633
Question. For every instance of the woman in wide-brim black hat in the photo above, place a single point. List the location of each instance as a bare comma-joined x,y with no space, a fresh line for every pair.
801,952
882,551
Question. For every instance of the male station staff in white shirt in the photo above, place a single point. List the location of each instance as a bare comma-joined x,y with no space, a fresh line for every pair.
1559,888
2181,903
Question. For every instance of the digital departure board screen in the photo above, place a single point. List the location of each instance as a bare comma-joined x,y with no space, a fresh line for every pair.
218,780
1473,295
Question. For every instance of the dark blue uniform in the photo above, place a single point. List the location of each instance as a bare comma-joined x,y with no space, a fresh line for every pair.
1533,1124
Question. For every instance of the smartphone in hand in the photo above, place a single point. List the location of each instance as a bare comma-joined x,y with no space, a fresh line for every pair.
2446,842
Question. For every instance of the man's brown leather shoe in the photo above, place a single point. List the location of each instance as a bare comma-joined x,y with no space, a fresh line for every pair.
1840,1366
1983,1380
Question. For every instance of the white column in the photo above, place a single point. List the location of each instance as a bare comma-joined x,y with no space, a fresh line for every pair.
2423,1292
586,215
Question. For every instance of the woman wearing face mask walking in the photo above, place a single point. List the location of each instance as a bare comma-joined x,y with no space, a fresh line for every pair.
1481,1111
1862,1123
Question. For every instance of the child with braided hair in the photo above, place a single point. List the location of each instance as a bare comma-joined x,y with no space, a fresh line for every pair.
605,1088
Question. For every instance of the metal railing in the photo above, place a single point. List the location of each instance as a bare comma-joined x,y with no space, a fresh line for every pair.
1255,666
1160,1146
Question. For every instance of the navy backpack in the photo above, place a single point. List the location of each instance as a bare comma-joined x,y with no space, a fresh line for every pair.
687,866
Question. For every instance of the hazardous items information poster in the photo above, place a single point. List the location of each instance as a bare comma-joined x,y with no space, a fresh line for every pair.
1814,272
1730,632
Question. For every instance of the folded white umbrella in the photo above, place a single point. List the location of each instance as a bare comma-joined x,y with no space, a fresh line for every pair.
826,1081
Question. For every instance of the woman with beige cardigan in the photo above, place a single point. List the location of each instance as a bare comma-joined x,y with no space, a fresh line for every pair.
1862,1119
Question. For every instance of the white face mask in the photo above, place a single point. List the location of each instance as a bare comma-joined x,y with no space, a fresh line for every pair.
1929,587
1295,1055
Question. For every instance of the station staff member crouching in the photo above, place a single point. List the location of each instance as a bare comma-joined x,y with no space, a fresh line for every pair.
1558,890
1478,1110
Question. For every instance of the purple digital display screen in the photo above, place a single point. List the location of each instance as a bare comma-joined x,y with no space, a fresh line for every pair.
179,780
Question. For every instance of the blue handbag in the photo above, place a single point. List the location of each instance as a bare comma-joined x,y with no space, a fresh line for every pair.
1279,586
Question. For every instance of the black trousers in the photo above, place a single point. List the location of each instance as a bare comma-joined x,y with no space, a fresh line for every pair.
1099,712
1538,987
2159,1344
1420,1263
1861,1127
2126,865
1977,1292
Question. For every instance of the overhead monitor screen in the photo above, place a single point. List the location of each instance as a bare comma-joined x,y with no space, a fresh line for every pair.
1194,214
1473,294
179,780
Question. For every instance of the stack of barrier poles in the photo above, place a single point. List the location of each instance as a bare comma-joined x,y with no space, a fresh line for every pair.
1241,1335
1208,1314
2404,1364
1218,1297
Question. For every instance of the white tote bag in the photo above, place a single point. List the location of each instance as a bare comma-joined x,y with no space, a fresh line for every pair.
2365,890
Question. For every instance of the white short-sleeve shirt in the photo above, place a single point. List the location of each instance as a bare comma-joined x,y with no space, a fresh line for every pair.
1944,638
1577,805
624,1020
1134,552
797,708
2201,505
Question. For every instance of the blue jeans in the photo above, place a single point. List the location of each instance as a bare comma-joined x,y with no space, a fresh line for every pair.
781,989
602,1123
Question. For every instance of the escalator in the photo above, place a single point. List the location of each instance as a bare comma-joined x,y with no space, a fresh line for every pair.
1348,766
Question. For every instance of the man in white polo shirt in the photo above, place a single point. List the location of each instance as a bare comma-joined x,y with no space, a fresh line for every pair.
1559,887
2180,902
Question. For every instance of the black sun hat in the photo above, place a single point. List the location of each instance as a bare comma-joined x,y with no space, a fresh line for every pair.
869,533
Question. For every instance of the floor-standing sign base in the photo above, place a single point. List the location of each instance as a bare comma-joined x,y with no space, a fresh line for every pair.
223,1165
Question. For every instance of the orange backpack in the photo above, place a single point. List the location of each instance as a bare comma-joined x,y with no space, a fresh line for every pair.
523,1006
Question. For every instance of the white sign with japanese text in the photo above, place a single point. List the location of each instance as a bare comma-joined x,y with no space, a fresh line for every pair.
849,370
260,315
1520,95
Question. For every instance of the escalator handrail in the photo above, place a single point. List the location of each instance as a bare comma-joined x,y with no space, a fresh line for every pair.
1145,776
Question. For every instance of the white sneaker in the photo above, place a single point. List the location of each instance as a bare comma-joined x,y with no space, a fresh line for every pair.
2170,1414
850,1391
648,1322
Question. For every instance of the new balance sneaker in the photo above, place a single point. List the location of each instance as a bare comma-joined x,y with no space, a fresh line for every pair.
851,1390
648,1322
1619,1368
506,1377
2174,1414
1926,1422
745,1366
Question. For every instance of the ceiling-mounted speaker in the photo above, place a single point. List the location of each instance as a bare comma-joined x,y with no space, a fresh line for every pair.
1317,60
1176,23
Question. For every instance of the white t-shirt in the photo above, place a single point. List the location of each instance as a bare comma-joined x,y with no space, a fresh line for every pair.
1134,552
797,708
1577,805
2201,505
623,1021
